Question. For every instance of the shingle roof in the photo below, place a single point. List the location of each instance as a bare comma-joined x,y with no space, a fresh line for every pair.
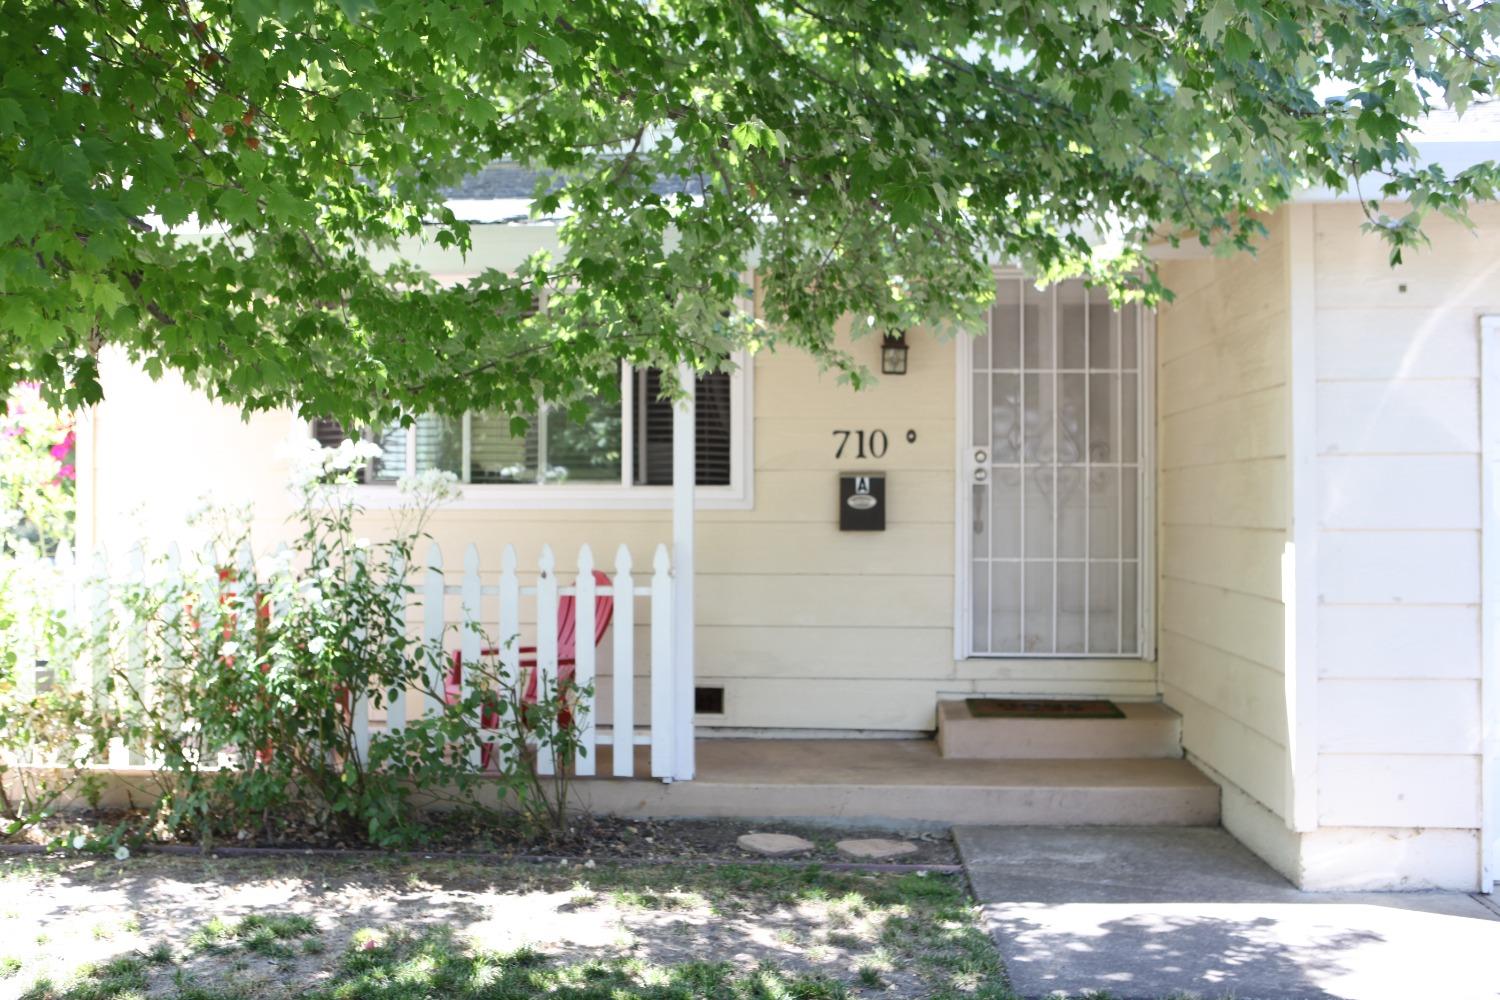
505,180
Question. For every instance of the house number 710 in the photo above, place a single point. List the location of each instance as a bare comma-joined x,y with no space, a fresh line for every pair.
871,445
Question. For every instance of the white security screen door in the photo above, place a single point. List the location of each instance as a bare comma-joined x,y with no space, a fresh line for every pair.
1056,523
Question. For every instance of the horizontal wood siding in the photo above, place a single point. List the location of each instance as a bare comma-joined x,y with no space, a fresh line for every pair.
1222,411
1399,516
801,624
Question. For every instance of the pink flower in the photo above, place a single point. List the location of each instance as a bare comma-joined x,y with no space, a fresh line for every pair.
65,472
63,448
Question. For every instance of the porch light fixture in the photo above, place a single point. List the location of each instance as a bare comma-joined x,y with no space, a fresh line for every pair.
893,354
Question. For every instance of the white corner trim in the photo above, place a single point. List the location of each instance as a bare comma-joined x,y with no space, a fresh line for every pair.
963,358
1300,556
1489,621
1149,531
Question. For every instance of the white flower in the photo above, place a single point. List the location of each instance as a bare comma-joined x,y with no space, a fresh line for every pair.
80,841
122,852
316,645
342,457
430,486
229,648
366,450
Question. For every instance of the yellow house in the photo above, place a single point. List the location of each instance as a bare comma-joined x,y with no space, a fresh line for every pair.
1261,522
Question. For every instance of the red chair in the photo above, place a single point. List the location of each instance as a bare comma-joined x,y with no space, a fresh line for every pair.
567,651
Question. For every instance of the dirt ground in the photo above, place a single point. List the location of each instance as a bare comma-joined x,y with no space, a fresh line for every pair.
59,915
602,838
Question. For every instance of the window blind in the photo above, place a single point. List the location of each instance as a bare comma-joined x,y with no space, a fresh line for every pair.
555,447
653,430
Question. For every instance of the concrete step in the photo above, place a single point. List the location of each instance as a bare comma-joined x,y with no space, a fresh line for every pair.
907,782
1148,730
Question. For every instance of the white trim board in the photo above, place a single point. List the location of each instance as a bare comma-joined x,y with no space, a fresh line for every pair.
1489,669
1300,555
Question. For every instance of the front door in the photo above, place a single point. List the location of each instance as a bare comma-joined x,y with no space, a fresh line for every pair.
1053,540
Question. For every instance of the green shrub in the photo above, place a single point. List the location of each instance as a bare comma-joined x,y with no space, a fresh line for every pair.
238,679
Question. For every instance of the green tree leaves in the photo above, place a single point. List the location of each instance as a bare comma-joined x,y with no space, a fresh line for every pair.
209,185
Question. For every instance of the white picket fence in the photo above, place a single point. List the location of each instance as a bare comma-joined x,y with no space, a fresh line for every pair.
490,616
511,597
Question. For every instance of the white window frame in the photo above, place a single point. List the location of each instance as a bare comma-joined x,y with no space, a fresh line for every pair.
963,537
739,494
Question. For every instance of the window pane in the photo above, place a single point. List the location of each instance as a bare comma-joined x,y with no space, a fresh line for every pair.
1005,342
1070,306
440,443
1072,512
1104,513
1070,411
1129,608
1040,490
653,430
980,575
1104,418
1005,418
391,465
1070,597
1129,325
498,456
1005,607
1102,353
586,450
1039,607
1038,417
1038,323
328,432
1005,508
1104,615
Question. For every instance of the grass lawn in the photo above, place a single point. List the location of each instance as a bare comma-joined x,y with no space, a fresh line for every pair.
260,928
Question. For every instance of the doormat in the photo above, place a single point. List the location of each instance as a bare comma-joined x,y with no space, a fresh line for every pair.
1042,708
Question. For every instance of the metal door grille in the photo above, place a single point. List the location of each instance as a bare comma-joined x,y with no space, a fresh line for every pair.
1054,465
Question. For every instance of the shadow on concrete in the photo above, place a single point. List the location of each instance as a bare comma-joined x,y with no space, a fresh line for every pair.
1162,954
1142,914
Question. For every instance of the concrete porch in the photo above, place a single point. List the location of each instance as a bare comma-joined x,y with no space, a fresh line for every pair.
908,781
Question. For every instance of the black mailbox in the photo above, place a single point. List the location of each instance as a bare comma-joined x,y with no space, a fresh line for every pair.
861,501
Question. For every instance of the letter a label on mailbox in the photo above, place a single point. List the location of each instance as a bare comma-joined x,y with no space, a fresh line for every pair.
862,501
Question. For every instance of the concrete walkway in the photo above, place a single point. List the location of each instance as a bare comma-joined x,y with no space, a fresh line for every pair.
1149,913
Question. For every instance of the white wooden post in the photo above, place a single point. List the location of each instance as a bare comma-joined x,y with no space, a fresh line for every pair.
468,643
623,745
1489,594
67,597
684,479
583,663
546,648
434,608
97,635
662,689
359,701
395,712
172,614
509,639
135,648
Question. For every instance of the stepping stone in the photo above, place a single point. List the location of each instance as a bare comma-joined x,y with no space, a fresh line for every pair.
775,845
875,849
